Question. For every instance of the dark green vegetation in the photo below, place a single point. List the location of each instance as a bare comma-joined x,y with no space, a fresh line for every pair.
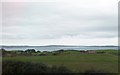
28,68
72,61
16,67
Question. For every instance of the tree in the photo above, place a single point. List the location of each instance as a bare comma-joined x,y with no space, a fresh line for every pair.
30,51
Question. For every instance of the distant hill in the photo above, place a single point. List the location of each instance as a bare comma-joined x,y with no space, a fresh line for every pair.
59,46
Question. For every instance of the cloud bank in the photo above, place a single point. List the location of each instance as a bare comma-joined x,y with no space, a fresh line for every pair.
60,22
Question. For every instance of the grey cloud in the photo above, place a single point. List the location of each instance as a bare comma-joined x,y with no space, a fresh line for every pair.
51,21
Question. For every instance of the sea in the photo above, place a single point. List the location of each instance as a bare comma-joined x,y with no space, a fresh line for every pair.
55,48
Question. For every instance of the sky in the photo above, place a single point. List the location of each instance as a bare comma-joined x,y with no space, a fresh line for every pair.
59,22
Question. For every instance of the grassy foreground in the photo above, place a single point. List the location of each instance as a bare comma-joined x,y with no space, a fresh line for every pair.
103,60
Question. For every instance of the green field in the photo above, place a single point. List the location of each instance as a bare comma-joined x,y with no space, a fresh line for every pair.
76,61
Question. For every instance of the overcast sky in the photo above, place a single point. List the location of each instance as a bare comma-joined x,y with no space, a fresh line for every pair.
59,22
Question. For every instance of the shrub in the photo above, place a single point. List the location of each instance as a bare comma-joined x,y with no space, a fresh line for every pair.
18,67
60,69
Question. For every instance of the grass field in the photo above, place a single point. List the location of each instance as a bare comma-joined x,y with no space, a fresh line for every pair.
76,61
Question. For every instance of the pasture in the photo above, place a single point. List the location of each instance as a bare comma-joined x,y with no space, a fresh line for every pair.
103,60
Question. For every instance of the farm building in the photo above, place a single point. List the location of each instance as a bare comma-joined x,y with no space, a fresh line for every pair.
91,51
88,51
83,51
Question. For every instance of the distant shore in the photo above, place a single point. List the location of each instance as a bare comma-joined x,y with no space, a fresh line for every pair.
58,47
